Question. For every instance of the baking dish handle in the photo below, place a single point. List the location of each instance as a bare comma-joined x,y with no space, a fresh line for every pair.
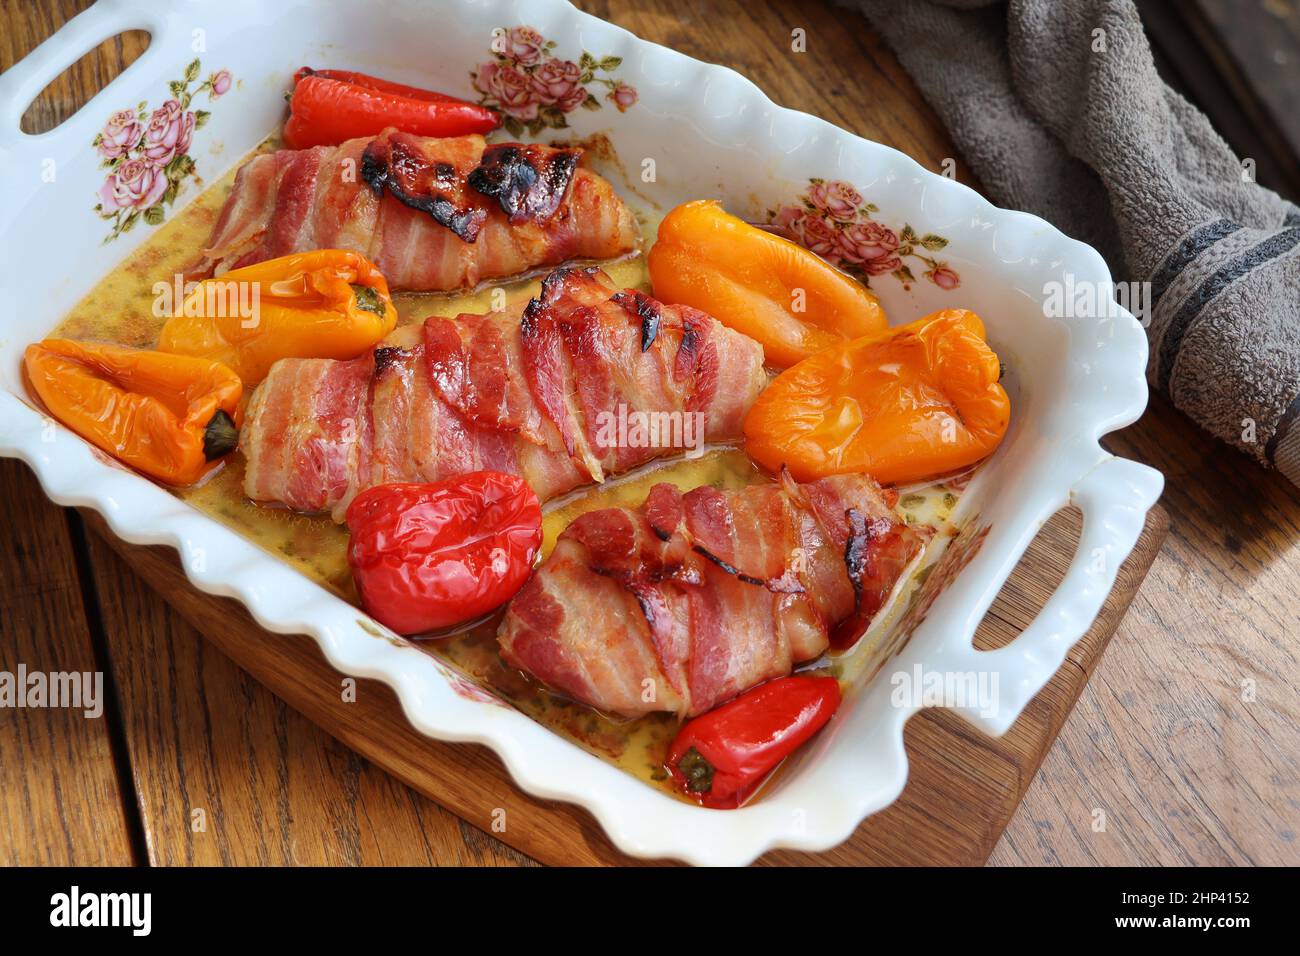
23,82
1114,497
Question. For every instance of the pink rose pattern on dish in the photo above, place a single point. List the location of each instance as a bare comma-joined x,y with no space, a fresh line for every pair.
535,90
121,133
833,220
168,133
146,153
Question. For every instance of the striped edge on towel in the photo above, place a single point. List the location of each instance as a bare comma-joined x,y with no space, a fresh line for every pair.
1283,449
1205,262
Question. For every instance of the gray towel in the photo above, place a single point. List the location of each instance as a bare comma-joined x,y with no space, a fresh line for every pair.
1057,107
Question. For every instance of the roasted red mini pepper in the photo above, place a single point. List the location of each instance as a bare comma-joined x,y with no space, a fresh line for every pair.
330,106
721,757
429,556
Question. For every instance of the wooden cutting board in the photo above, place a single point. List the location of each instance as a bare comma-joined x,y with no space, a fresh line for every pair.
962,790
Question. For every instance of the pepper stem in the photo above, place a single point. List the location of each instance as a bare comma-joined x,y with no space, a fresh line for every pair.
220,436
368,299
697,771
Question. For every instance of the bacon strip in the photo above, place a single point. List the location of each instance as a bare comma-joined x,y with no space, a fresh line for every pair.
432,214
312,449
411,169
538,394
690,599
529,182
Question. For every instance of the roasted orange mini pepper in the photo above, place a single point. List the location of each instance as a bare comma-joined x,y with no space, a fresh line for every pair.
329,303
169,416
915,402
773,290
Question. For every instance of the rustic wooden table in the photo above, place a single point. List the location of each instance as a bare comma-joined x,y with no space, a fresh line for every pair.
1187,736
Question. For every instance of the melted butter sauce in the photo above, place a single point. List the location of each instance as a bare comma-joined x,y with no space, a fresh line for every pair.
121,309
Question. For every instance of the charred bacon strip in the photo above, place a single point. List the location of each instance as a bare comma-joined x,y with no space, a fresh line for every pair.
522,394
654,597
646,309
855,551
528,182
735,572
388,357
405,203
872,559
582,362
397,162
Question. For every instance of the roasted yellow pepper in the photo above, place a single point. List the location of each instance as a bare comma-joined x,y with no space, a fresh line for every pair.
773,290
329,303
169,416
911,403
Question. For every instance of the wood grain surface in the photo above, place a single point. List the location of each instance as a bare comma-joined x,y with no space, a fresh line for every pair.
1187,737
1186,764
60,800
228,774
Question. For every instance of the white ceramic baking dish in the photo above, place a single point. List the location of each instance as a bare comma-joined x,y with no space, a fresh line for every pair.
710,132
